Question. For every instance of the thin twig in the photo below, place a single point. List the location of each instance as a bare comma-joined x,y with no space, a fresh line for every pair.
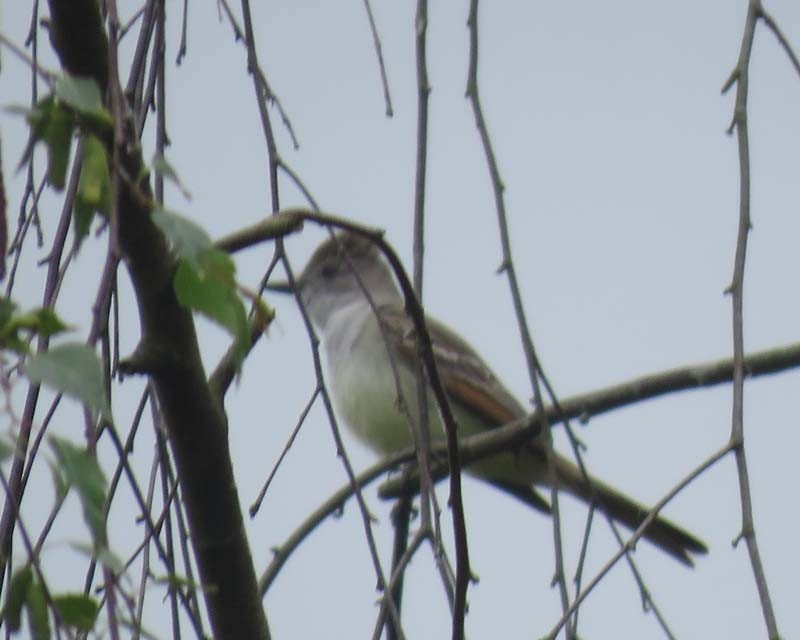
298,183
16,488
117,106
182,47
376,40
265,86
510,436
145,568
329,507
33,559
776,30
631,542
191,601
534,367
424,347
398,571
300,422
168,489
420,428
366,517
578,577
647,599
48,76
263,93
429,495
132,20
741,76
135,84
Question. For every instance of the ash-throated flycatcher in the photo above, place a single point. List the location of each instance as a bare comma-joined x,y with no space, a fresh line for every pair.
360,354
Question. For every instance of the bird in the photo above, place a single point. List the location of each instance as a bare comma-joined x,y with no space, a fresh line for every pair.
354,303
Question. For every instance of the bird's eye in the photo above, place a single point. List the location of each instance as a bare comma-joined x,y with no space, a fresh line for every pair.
328,271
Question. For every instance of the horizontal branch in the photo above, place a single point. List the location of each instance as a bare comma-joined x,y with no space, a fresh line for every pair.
517,432
275,226
695,376
584,406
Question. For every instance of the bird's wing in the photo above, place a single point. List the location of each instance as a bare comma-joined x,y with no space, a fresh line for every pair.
470,383
467,379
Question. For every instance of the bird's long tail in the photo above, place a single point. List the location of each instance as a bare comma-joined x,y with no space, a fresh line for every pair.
661,532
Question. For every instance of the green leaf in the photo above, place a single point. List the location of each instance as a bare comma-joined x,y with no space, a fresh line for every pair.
53,125
36,606
82,94
76,101
137,629
7,309
94,186
188,239
73,369
106,557
42,322
205,279
218,265
16,597
60,483
215,298
110,559
161,165
83,472
76,610
7,449
45,322
9,336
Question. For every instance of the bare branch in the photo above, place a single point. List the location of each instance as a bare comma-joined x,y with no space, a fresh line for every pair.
48,76
631,542
381,66
776,30
741,75
534,367
516,433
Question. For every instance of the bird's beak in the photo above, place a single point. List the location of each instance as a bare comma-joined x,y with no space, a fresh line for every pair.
280,286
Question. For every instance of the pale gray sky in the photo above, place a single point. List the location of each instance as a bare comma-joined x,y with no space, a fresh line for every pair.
622,192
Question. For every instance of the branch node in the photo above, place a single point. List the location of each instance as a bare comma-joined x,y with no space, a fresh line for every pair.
735,542
731,80
146,359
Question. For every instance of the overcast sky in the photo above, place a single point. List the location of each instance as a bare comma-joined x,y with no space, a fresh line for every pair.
622,196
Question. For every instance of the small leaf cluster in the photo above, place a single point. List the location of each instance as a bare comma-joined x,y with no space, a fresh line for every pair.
26,593
73,467
74,106
204,280
17,328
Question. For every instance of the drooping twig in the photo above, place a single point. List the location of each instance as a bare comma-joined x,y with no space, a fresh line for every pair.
507,267
631,542
48,76
16,487
776,30
740,76
268,93
376,40
300,421
262,94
